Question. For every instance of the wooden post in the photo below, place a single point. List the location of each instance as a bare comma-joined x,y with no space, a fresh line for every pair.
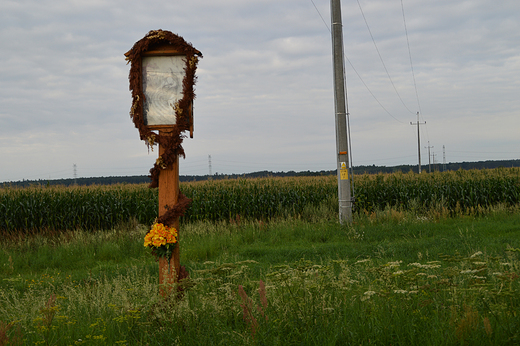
164,59
168,197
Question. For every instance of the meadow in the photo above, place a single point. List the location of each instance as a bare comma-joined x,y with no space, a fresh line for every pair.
443,273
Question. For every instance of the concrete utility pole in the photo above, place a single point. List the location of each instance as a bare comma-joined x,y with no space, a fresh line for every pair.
429,158
418,139
345,201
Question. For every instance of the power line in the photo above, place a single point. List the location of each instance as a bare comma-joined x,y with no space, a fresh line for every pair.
382,61
324,22
381,58
370,91
413,72
410,55
354,69
485,152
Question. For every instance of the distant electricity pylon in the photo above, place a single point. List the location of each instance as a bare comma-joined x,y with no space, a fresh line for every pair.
443,158
75,168
418,139
209,166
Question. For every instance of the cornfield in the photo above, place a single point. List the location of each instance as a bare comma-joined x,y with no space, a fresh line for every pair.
256,198
102,207
456,191
64,208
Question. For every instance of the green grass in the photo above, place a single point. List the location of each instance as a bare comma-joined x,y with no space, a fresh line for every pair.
391,278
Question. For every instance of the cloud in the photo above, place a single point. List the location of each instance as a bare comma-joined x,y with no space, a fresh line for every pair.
264,93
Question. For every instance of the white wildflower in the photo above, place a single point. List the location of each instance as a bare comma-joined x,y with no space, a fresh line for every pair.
425,266
394,264
363,261
469,271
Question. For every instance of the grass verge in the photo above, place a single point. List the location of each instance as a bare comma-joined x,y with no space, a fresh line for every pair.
392,278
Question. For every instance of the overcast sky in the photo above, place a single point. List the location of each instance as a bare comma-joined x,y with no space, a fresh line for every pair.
264,90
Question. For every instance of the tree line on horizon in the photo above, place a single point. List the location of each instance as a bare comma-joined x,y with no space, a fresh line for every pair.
373,169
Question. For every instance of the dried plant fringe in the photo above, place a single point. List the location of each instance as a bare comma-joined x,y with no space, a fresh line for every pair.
247,307
172,141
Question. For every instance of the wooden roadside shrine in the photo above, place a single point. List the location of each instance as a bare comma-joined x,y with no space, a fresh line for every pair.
162,78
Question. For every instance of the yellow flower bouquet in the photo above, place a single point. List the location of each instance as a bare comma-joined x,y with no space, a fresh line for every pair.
162,240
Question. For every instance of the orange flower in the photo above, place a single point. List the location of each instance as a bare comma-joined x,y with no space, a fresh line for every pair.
160,235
